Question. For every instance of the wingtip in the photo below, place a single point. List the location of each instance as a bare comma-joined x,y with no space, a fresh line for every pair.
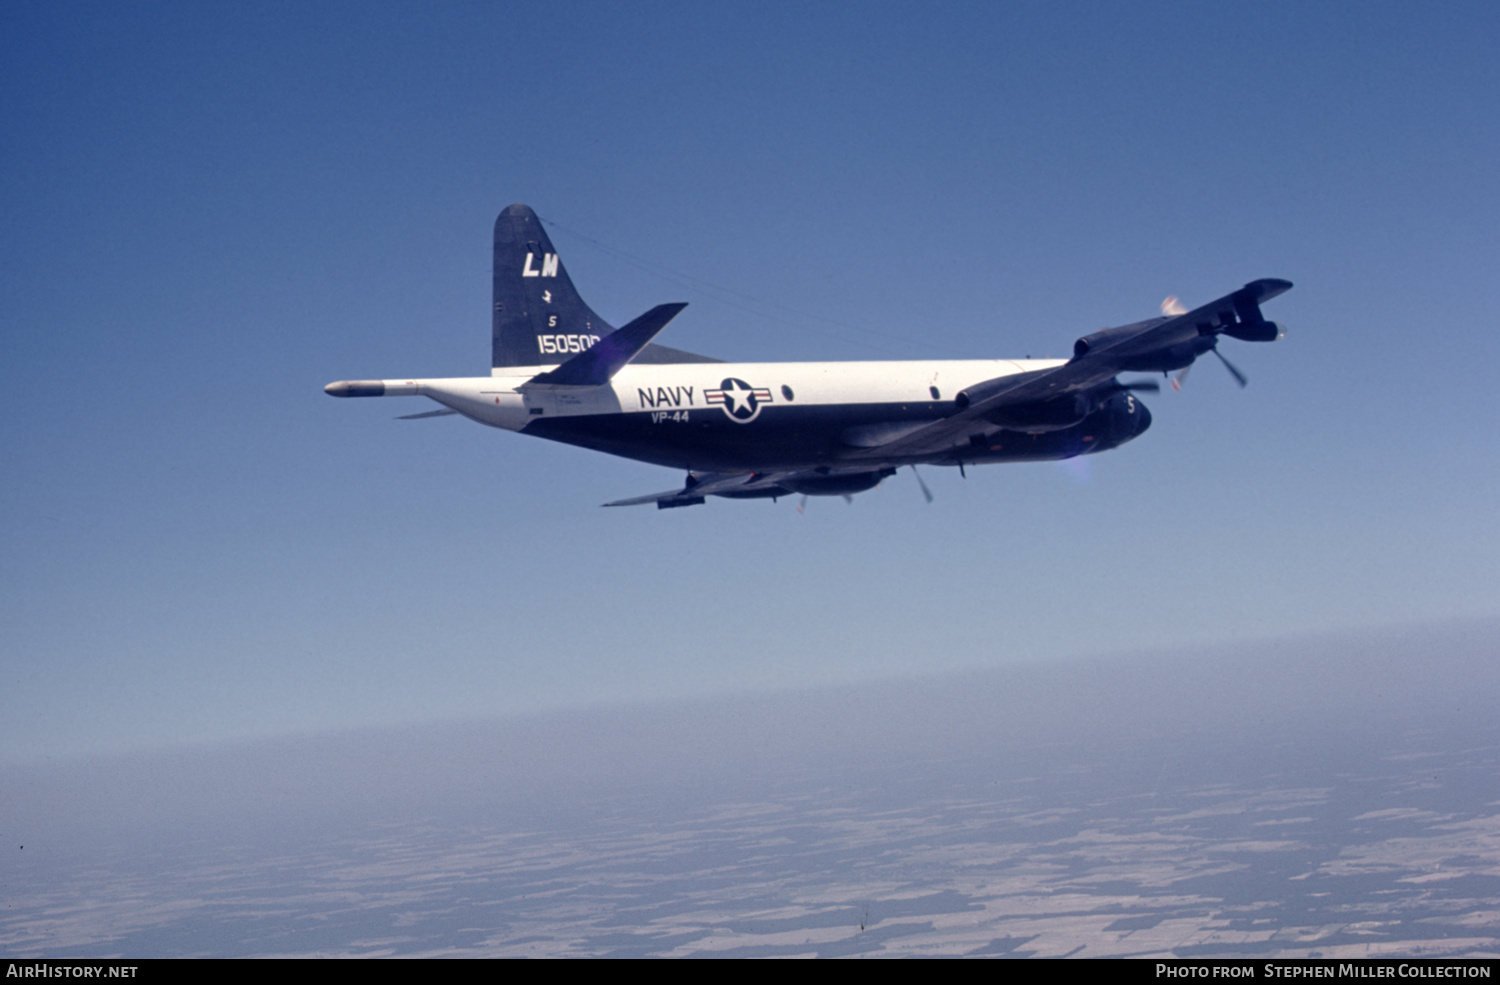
1268,287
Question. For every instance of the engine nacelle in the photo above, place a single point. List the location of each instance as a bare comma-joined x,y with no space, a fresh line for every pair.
1122,417
1163,359
1260,331
1168,358
1106,337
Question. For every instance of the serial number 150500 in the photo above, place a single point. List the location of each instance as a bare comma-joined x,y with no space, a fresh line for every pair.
565,343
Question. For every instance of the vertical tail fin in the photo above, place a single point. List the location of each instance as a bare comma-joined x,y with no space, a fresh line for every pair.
538,317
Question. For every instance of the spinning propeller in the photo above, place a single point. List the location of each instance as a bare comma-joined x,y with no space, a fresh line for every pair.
1171,306
1239,377
925,491
802,504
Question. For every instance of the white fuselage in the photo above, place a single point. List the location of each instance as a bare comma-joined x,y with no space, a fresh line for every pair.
503,400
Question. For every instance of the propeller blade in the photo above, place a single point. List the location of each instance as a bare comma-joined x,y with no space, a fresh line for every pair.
925,491
802,505
1238,376
1180,377
1145,386
1172,306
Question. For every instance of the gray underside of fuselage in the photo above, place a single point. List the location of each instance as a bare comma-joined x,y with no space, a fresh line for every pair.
805,438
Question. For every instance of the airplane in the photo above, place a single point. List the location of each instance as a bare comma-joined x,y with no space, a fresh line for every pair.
767,430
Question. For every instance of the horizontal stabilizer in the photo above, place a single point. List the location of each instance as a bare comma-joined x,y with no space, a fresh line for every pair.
672,497
443,412
595,366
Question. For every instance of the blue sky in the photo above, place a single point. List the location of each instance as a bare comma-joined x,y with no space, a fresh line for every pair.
212,212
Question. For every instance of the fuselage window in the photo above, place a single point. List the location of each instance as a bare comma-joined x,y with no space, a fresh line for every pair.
786,392
934,391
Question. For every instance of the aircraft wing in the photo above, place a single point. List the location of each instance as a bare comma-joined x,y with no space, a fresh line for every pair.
1156,345
741,485
751,485
1019,390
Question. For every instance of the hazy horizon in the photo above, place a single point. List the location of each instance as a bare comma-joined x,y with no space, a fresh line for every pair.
748,810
